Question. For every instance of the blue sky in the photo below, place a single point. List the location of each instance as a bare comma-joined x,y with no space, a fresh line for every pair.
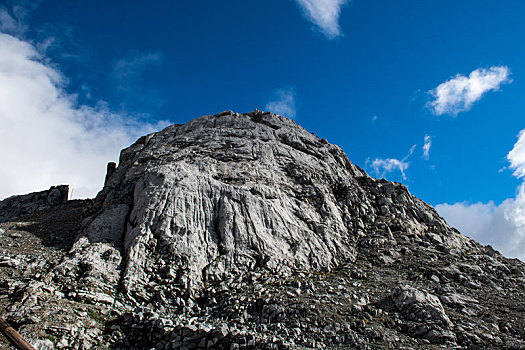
79,80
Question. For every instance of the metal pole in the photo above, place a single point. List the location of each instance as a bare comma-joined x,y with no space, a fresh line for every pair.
13,336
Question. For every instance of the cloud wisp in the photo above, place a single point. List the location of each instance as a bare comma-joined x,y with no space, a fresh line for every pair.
459,93
127,75
426,147
383,166
502,226
11,21
47,137
128,70
324,14
283,104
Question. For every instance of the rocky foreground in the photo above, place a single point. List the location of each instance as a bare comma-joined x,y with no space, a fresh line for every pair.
244,231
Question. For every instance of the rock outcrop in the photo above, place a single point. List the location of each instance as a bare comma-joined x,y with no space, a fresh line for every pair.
16,207
231,193
247,231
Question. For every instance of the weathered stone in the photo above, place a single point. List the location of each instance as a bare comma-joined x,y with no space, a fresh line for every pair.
16,207
455,299
231,199
419,304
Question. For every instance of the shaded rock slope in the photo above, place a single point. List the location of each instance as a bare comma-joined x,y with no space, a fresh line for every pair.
16,207
246,231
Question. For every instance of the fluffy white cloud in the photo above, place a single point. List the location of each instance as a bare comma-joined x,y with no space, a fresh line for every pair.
382,166
516,156
324,14
460,92
284,104
471,219
46,137
502,226
426,147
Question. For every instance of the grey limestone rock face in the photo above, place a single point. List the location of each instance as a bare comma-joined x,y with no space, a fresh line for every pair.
230,193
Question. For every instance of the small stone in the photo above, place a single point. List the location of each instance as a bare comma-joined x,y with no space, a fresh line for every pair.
211,343
220,332
364,300
435,279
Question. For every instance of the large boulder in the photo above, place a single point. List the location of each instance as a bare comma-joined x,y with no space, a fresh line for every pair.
420,305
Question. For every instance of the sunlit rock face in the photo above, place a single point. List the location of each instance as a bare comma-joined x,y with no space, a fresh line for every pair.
230,193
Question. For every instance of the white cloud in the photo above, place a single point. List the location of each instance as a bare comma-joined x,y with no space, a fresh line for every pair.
284,104
471,219
426,147
382,166
47,137
516,156
324,14
502,226
460,92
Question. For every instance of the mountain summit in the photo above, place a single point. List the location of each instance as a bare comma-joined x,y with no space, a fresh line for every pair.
247,231
231,193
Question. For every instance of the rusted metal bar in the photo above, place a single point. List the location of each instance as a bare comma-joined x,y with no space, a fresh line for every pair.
13,336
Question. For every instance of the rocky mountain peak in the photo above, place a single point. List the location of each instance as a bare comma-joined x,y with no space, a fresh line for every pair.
247,231
231,193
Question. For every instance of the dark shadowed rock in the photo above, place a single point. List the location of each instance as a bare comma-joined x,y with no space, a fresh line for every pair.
16,207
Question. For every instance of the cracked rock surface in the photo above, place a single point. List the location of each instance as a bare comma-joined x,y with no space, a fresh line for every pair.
245,231
217,196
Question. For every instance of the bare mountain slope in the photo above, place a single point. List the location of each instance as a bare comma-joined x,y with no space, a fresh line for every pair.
246,230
